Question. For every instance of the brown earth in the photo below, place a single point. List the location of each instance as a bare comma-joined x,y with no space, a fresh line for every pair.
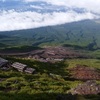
82,72
51,53
87,88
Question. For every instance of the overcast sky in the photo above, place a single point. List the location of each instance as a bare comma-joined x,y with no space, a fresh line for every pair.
25,14
93,5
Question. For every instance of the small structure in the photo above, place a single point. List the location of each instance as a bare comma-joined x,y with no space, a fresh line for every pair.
89,87
30,70
23,68
19,66
3,62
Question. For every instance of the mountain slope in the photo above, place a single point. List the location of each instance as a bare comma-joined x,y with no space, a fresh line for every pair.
82,33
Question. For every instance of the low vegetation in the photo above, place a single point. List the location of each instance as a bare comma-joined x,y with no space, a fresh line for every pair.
83,33
50,81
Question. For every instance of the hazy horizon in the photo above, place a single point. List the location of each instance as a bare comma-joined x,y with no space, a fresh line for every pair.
26,14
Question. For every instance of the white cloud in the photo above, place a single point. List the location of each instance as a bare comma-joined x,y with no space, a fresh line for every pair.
12,20
91,5
36,7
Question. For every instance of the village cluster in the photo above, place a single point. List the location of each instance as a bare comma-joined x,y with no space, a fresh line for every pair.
6,65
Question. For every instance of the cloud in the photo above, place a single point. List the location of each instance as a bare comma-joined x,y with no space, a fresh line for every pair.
91,5
35,7
12,20
45,15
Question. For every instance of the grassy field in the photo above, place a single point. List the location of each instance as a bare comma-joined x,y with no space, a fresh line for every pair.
83,36
89,62
42,86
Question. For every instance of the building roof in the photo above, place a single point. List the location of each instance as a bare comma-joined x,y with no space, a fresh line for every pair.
18,65
3,61
29,70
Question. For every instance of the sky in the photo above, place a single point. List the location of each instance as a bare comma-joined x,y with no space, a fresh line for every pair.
26,14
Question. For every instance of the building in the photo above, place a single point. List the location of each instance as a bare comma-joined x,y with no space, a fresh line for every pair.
19,66
23,68
3,62
30,70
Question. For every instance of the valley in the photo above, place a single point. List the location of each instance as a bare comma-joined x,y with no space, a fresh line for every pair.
49,49
54,77
65,58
